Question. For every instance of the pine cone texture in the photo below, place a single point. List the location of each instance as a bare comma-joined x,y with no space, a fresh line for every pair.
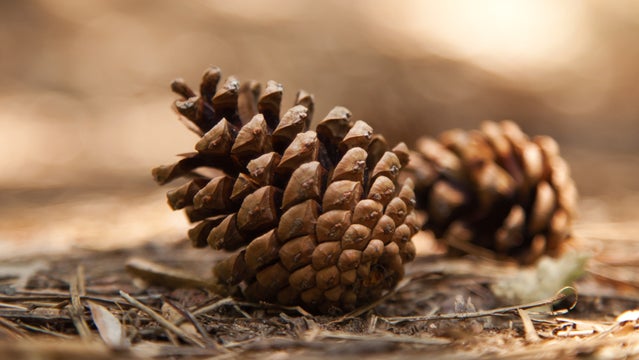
310,218
495,191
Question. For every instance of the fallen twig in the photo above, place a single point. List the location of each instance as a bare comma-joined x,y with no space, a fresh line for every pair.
12,329
76,310
561,295
37,317
59,297
359,311
387,338
198,326
47,331
236,305
14,307
207,308
161,320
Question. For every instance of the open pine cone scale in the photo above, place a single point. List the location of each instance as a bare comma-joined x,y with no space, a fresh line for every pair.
314,218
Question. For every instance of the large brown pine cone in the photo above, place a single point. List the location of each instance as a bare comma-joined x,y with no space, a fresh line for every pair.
313,218
495,192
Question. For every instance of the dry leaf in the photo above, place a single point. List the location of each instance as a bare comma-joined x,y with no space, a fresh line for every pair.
542,281
529,328
626,316
109,327
627,322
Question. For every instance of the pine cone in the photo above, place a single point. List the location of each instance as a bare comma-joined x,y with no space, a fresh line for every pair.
314,218
494,191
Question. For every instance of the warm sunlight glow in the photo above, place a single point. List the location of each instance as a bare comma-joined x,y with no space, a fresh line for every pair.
497,34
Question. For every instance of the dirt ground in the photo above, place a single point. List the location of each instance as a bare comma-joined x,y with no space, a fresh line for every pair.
152,286
93,264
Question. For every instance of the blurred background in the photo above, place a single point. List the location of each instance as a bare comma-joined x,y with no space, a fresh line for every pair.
85,101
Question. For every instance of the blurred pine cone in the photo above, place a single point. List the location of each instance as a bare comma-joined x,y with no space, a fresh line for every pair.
315,218
495,192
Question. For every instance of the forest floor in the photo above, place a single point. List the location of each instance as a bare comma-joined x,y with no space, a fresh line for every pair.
104,275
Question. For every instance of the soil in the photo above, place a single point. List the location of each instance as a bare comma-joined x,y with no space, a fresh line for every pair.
51,301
